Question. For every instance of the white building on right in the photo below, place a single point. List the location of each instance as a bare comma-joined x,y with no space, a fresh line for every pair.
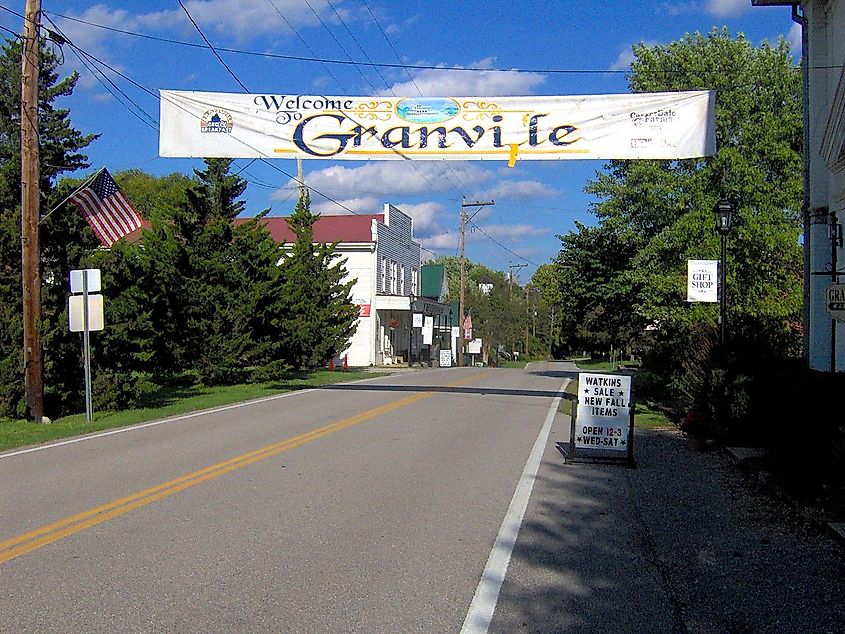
823,58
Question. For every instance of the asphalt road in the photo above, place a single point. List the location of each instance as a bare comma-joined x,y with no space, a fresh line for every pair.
367,507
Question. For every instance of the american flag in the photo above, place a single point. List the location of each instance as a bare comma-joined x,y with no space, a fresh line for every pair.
106,209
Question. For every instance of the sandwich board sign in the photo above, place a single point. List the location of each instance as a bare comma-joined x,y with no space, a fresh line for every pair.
602,428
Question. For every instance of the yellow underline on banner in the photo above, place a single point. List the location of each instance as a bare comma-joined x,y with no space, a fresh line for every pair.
400,152
49,533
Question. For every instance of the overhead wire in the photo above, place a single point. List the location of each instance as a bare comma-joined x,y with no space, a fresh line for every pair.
306,44
508,249
213,50
358,43
339,45
401,65
81,54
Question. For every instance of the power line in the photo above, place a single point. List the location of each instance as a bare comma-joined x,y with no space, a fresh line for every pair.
213,50
358,43
340,46
521,257
306,44
322,60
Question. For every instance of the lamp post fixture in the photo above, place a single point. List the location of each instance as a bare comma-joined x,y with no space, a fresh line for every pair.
411,300
724,223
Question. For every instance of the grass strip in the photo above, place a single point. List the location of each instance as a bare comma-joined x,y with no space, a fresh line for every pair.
168,401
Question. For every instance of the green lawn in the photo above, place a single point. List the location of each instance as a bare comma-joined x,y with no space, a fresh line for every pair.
602,365
166,402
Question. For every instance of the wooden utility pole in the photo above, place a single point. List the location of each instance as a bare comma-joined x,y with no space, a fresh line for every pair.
300,178
30,192
511,267
464,221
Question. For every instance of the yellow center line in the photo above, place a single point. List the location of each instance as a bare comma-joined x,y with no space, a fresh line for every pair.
27,542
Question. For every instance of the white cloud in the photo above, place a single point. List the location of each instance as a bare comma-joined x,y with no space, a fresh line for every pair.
793,38
347,206
513,231
623,61
521,190
399,178
442,241
465,83
425,215
243,19
727,8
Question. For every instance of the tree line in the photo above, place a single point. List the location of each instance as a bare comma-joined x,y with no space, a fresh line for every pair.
620,282
198,297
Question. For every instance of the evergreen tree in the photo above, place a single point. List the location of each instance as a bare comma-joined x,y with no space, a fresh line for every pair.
63,237
315,310
225,273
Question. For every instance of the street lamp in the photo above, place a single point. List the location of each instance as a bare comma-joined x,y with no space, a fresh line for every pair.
411,299
724,222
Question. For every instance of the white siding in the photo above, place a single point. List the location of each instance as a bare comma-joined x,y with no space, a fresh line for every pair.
359,265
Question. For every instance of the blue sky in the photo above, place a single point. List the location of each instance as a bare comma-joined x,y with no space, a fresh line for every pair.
534,200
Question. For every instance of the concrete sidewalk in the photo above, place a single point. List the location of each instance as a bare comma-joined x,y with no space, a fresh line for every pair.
680,544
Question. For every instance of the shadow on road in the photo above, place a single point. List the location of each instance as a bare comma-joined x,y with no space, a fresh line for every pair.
444,389
680,544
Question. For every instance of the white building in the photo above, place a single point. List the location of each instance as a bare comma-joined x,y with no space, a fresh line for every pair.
381,255
823,54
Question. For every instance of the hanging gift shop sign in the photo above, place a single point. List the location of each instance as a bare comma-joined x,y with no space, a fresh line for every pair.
701,281
671,125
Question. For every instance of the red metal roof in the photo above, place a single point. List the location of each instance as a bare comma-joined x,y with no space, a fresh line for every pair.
326,229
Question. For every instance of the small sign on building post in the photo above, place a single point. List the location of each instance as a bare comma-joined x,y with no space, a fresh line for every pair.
602,428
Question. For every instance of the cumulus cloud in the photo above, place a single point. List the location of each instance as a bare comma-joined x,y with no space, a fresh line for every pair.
513,231
243,19
727,8
624,60
441,242
345,205
399,178
519,190
481,82
793,38
426,215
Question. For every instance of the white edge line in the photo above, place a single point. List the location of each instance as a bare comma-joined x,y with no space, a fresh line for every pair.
483,605
171,419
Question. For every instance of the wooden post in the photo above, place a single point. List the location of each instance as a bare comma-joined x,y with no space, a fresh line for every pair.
30,191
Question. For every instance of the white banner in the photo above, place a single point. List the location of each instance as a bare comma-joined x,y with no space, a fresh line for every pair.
671,125
702,280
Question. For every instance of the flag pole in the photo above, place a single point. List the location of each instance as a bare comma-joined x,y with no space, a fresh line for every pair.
75,191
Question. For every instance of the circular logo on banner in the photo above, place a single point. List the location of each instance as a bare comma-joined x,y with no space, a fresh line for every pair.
216,120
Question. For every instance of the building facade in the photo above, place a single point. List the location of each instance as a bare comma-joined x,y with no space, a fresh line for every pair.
823,58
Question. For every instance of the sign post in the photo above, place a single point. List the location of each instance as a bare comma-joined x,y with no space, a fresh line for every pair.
85,313
602,428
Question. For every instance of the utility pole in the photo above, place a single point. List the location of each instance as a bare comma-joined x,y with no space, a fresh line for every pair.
30,193
464,221
300,178
511,267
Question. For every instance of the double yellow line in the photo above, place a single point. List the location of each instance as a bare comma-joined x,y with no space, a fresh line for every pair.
49,533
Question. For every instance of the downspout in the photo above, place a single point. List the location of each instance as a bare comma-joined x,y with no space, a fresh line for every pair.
801,19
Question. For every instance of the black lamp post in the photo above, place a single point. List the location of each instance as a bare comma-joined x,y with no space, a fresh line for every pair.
724,222
411,300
